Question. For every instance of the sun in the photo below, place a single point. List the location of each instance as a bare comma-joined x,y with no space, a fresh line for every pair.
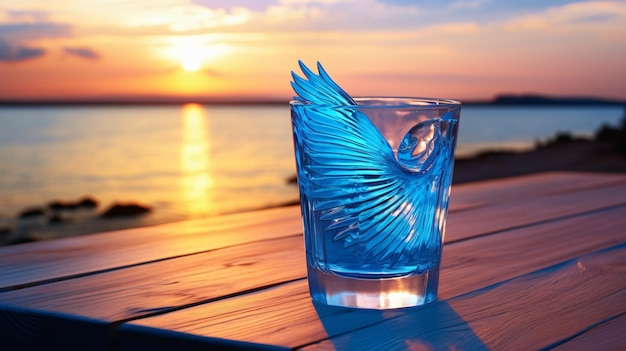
192,54
190,57
190,62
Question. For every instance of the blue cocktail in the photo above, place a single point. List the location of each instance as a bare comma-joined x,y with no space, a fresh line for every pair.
374,177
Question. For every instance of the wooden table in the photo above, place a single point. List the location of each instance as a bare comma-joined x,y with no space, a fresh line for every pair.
533,262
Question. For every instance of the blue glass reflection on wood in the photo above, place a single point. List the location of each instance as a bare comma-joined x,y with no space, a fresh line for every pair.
382,211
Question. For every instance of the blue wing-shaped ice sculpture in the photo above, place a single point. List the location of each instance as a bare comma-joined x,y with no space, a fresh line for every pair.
381,205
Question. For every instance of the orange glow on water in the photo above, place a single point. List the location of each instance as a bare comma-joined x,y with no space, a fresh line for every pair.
196,179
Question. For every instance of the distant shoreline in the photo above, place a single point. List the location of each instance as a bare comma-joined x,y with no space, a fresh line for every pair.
501,100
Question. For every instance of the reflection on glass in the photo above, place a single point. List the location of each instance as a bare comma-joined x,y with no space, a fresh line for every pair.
196,181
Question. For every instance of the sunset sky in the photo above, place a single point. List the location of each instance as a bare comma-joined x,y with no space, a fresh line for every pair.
463,49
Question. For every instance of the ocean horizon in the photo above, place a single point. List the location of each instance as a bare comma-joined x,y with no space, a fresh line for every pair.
160,100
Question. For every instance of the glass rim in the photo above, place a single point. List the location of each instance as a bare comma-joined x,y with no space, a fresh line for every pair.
390,102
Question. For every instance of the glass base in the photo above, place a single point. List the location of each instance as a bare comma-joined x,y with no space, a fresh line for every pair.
384,293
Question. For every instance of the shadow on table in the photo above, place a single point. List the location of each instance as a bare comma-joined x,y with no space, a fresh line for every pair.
435,326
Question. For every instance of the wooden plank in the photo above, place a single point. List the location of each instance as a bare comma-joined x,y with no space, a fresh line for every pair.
144,290
550,304
608,335
206,275
170,284
43,262
28,264
265,317
293,322
500,216
528,186
479,262
527,313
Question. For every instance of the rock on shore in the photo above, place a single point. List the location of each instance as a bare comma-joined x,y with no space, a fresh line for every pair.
125,210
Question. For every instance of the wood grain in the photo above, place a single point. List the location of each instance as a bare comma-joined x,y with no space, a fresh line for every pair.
165,285
526,313
28,264
528,186
549,305
467,266
473,264
294,321
195,278
507,215
145,290
609,335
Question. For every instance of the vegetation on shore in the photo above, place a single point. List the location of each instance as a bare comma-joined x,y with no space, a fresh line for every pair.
604,152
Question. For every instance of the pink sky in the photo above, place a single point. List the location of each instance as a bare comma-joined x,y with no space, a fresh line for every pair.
246,49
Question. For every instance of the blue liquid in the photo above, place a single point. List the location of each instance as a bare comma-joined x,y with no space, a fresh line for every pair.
369,211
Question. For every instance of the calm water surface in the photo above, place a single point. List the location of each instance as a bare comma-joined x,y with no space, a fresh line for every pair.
195,161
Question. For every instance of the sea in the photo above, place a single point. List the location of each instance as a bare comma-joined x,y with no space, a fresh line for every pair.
195,161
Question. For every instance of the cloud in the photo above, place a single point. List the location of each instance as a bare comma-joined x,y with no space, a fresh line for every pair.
16,53
16,37
84,53
400,2
189,18
27,15
315,2
602,13
32,31
252,5
468,4
480,11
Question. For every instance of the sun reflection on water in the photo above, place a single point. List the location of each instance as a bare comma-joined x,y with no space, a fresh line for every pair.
196,180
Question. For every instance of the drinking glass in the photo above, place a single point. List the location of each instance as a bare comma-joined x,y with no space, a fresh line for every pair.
374,181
